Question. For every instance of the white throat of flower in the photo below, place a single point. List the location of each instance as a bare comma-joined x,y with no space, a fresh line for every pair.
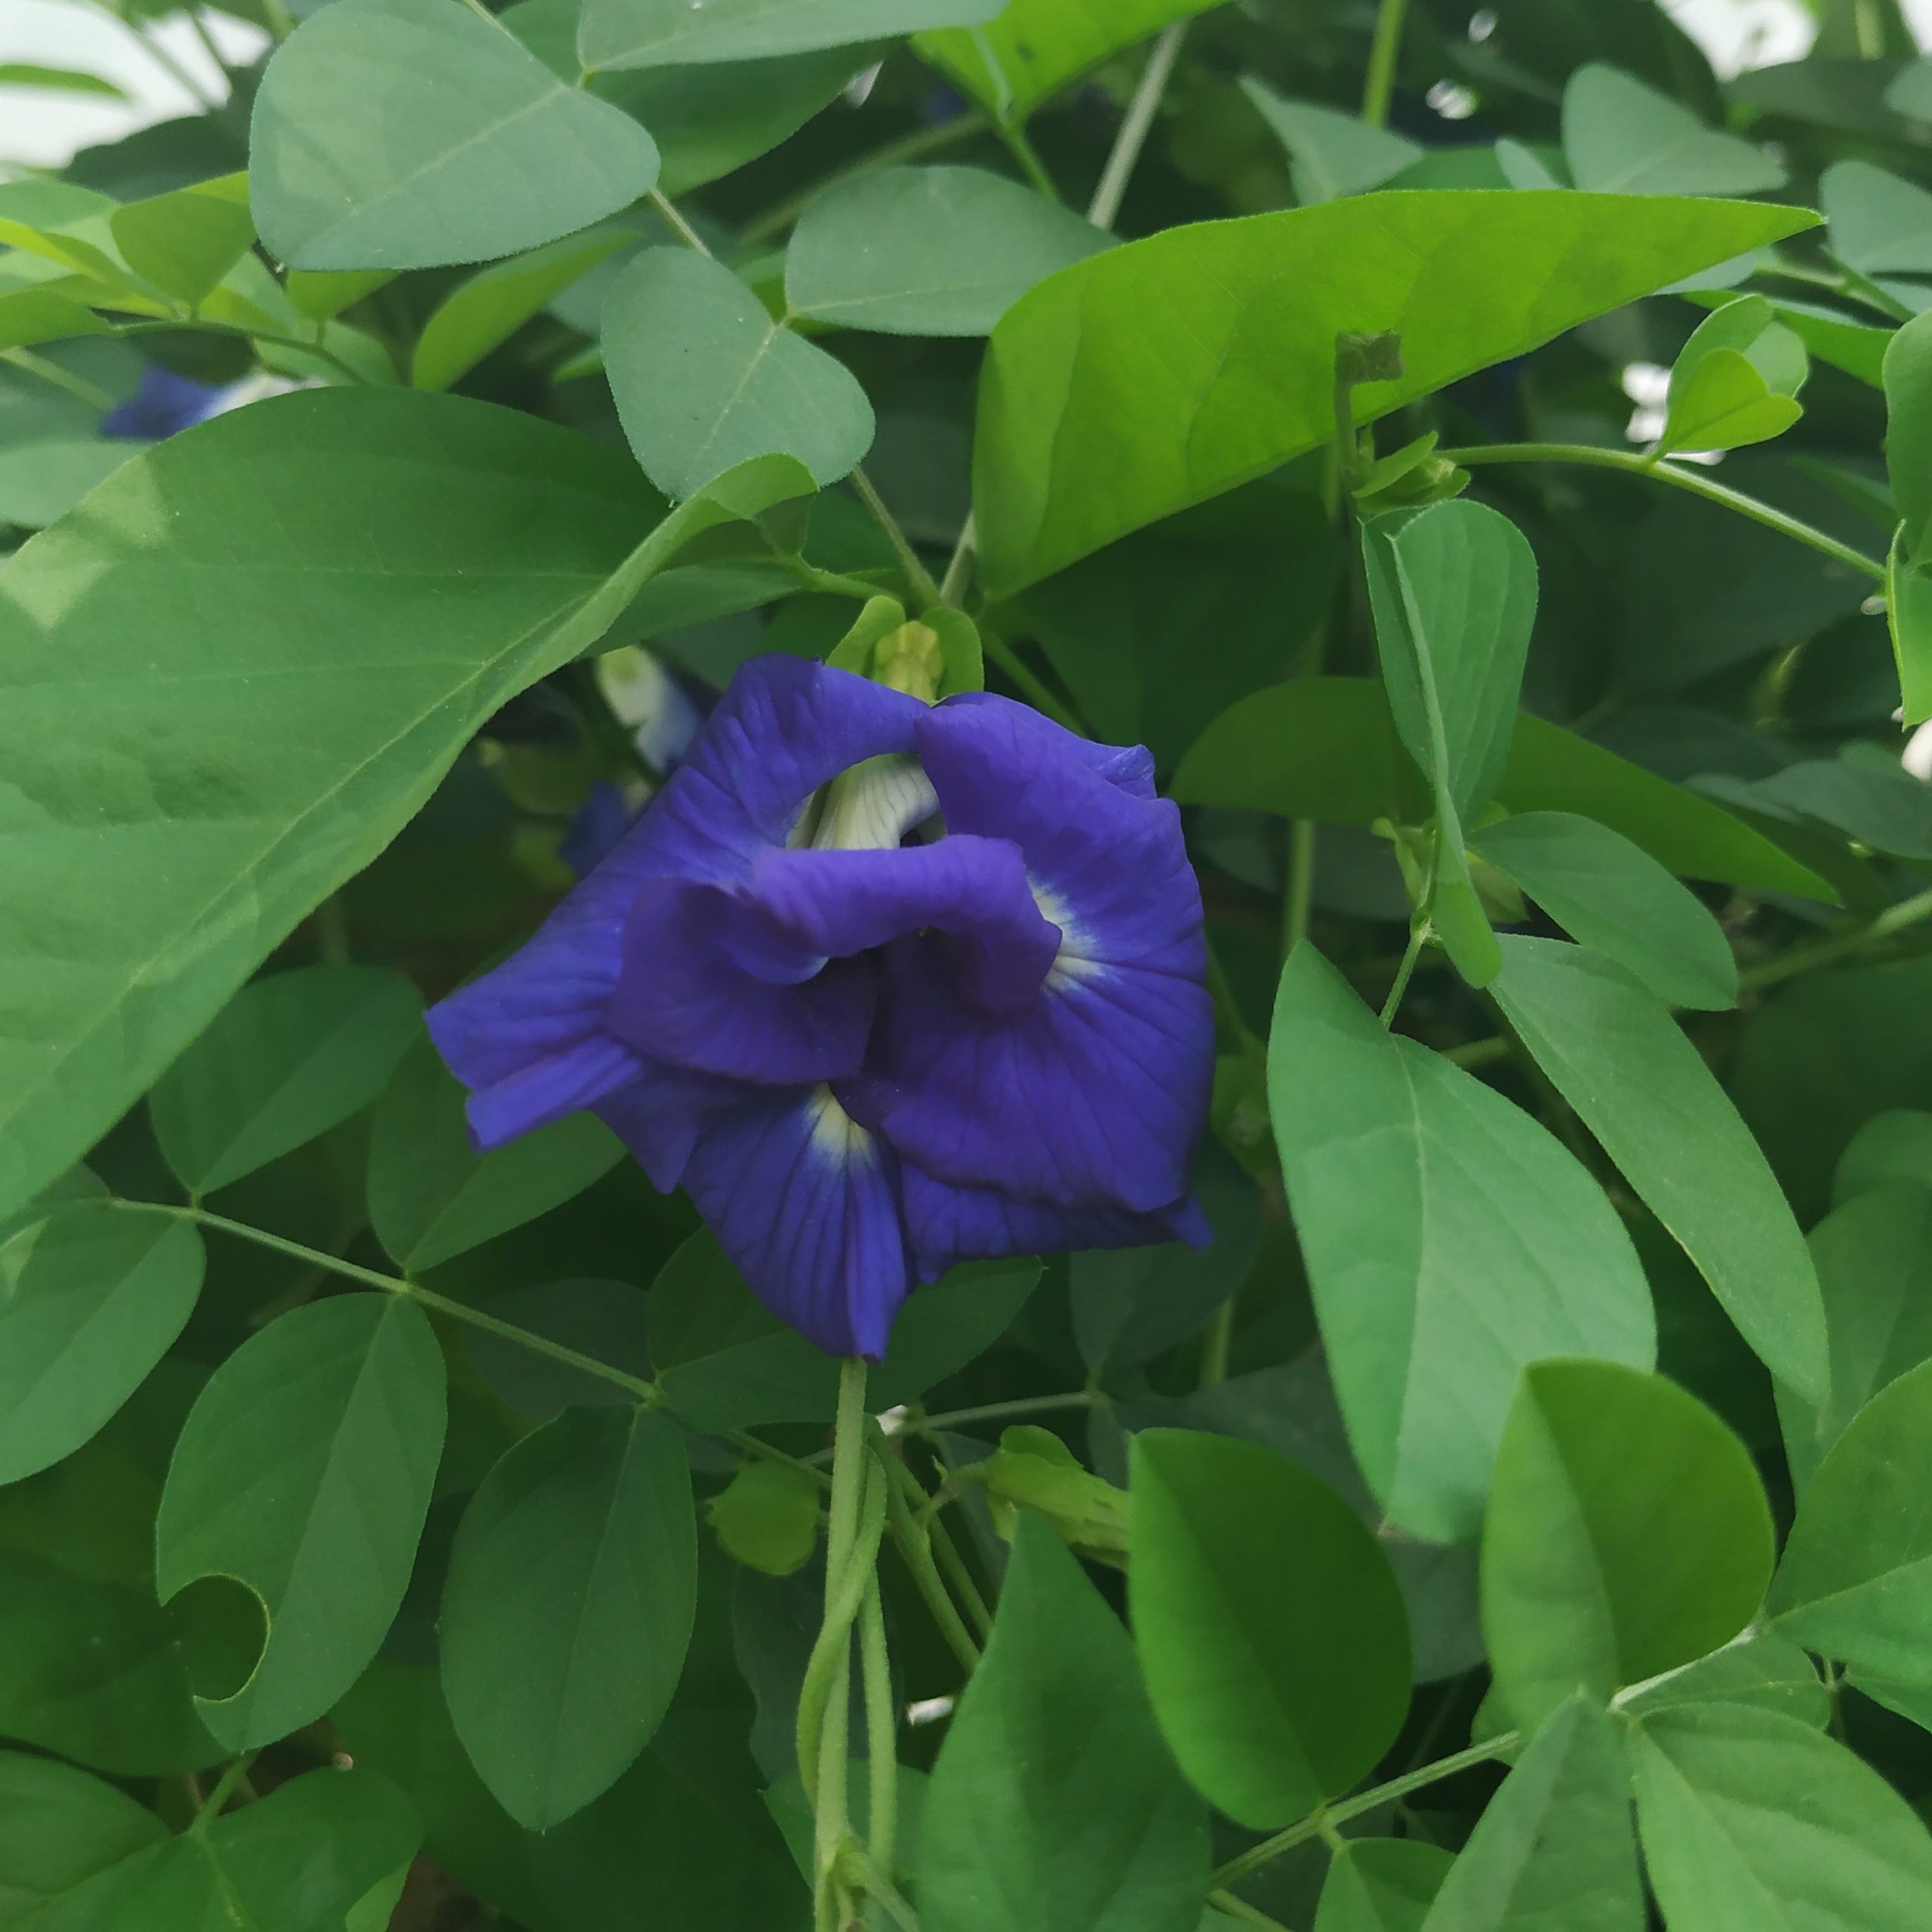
869,808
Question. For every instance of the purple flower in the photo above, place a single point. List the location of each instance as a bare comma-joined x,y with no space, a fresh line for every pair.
868,1053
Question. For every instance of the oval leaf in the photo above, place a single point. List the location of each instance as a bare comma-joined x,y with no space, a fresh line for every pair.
666,33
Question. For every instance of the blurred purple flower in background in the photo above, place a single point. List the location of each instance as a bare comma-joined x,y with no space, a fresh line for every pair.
871,1048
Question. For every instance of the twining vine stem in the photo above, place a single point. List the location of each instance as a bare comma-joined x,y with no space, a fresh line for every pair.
1380,87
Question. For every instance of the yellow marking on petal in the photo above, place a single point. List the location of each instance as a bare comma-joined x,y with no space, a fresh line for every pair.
835,1133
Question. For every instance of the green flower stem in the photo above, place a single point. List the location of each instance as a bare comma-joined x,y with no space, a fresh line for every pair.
1695,481
395,1285
830,583
1220,989
1013,135
1418,931
918,577
233,1776
1479,1052
882,1731
1237,1907
1380,87
667,210
1039,694
877,1886
913,1539
1135,126
954,1563
1842,943
1319,1823
922,141
1022,1405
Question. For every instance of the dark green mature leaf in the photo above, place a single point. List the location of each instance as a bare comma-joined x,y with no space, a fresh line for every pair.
1620,137
1767,1672
1031,48
1908,435
1754,1823
58,1827
671,33
289,1057
432,1195
1270,1630
1893,1146
236,672
1450,1241
1381,1885
409,134
1616,1055
1608,893
1054,1801
1627,1534
1555,1845
1874,1257
928,250
335,1411
1856,1580
1159,374
725,1361
705,379
90,1299
1325,748
1881,223
568,1610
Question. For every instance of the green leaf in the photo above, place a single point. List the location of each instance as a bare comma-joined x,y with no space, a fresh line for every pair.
1894,1145
1754,1823
484,312
1332,154
1723,404
1159,374
323,297
1450,1241
335,1413
1325,748
1271,1633
1627,1534
1131,1304
1908,374
1053,1801
1644,1090
1873,1254
704,378
411,562
928,250
1909,617
289,1057
1029,49
572,1589
90,1299
767,1518
58,1827
725,1361
432,1195
41,482
1856,1581
670,33
411,133
1555,1845
1769,1673
1608,893
60,80
1881,223
28,316
1381,1885
186,242
1620,137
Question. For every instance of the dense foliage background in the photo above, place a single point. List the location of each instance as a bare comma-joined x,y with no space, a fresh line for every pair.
1515,1516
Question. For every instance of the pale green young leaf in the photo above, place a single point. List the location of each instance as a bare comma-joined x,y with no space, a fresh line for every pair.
1161,374
411,133
1724,403
673,33
1627,1534
1029,49
184,242
28,316
1856,1580
1053,1801
1620,137
1754,1823
1613,1052
58,80
90,1299
568,1608
1332,154
289,1057
432,1194
1381,1885
484,312
1450,1241
928,250
1607,892
705,379
1271,1633
1556,1846
1873,1253
336,1412
767,1518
